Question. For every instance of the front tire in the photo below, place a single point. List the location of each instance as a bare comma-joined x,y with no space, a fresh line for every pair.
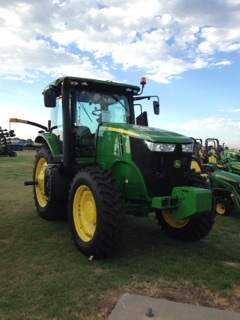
223,207
96,212
193,228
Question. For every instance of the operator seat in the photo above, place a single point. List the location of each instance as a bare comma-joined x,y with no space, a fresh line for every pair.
84,142
195,165
212,156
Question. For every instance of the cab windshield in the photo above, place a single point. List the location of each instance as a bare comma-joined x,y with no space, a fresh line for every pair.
93,108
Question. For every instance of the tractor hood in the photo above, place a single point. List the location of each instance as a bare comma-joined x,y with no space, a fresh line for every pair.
145,133
226,176
235,164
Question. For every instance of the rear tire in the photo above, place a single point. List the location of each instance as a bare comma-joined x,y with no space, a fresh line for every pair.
193,228
96,212
47,209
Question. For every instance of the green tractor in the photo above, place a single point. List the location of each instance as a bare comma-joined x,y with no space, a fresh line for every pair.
233,154
99,160
223,158
224,183
226,190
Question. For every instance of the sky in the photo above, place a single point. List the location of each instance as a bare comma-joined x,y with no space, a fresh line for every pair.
189,51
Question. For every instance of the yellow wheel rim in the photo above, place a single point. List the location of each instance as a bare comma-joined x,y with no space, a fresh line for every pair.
84,213
220,208
173,222
40,187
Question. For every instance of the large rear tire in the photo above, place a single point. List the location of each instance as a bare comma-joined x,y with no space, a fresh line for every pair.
47,209
96,212
195,227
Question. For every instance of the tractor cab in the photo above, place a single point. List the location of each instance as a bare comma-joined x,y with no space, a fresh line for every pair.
79,107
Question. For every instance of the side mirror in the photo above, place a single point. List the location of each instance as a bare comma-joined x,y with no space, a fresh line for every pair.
49,98
156,107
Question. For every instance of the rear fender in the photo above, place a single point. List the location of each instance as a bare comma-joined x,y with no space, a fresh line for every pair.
52,141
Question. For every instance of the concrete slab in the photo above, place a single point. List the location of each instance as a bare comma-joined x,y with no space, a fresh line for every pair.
135,307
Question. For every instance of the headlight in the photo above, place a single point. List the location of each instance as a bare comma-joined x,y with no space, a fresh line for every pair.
160,147
187,147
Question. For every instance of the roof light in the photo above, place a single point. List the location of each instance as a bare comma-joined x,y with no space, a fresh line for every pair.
74,83
143,81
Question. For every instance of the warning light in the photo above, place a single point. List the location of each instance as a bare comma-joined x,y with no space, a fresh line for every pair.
143,81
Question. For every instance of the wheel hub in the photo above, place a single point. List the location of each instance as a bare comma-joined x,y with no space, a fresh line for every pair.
175,223
85,213
40,178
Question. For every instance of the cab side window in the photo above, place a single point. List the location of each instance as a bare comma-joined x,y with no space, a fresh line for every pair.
57,120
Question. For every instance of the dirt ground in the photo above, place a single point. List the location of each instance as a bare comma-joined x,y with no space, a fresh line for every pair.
186,293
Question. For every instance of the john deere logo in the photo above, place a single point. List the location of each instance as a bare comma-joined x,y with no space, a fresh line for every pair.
177,164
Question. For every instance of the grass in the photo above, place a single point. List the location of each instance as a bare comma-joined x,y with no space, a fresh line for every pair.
43,276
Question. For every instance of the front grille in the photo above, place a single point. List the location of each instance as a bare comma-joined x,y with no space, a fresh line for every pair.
158,168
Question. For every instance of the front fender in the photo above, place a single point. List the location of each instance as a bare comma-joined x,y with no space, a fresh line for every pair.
130,180
52,141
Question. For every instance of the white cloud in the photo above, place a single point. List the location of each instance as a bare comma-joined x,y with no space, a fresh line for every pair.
225,129
234,110
219,40
164,39
214,123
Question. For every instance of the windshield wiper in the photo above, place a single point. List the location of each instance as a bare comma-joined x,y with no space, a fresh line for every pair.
118,100
85,111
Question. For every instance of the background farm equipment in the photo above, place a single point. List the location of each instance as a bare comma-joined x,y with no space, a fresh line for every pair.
5,143
225,159
217,170
226,189
99,160
233,154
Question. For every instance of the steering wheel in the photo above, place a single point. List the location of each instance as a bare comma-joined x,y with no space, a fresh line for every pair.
225,160
96,110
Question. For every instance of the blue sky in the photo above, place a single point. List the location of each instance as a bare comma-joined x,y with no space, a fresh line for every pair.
189,50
